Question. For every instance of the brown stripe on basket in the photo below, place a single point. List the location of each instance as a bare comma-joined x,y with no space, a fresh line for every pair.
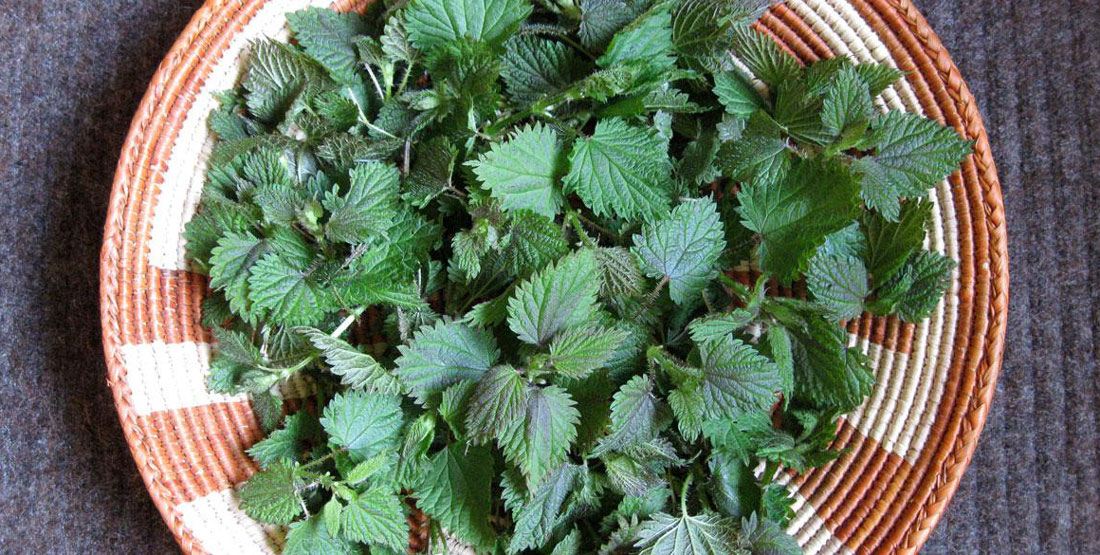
170,305
216,438
782,21
836,489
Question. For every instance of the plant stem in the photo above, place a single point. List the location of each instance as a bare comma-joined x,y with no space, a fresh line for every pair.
770,469
575,220
598,227
684,494
322,459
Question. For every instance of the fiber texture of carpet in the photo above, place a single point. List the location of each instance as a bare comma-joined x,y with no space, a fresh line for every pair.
72,73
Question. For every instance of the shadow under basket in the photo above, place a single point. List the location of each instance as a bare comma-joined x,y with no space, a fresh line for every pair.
906,448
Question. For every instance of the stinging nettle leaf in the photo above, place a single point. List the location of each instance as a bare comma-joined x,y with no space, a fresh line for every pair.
357,370
911,154
559,297
376,516
441,23
456,491
763,56
523,171
365,423
328,37
366,210
794,215
621,171
889,243
442,355
312,537
534,67
847,102
736,94
498,401
633,416
736,378
272,495
683,247
540,441
839,283
542,512
276,77
648,40
704,534
577,352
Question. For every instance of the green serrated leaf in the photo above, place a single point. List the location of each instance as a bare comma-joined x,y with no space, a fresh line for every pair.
766,537
286,444
364,423
847,102
683,248
714,327
328,37
540,514
276,76
499,401
534,67
703,534
444,354
376,516
647,40
794,215
633,416
456,491
559,297
889,244
621,171
312,537
272,495
523,171
911,154
366,210
736,94
441,23
736,378
839,283
539,442
357,370
577,352
763,56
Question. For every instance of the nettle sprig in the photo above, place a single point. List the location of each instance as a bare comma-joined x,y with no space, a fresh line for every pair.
493,237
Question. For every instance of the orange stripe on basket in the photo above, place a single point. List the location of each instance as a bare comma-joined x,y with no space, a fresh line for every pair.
838,489
170,305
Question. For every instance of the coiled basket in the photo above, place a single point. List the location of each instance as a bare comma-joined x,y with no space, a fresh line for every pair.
907,446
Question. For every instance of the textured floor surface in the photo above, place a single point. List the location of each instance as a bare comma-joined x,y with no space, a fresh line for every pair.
72,73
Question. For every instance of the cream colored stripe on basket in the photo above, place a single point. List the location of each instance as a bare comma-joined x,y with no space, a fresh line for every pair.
222,528
166,376
808,529
185,171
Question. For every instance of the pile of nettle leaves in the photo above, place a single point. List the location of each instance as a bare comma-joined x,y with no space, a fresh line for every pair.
493,234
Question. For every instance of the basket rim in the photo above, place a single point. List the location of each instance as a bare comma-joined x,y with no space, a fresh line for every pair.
912,32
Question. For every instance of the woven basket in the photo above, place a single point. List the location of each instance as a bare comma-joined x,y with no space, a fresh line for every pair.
907,446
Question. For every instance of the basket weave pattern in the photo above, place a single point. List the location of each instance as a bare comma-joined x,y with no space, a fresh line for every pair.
908,445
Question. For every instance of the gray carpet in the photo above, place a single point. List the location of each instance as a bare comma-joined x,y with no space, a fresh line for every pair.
72,73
